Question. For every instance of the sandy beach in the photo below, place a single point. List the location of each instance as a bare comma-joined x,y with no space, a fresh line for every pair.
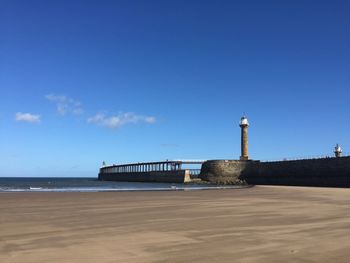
258,224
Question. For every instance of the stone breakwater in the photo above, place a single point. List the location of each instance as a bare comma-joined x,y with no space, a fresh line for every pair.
331,172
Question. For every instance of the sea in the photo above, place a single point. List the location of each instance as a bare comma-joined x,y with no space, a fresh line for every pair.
64,184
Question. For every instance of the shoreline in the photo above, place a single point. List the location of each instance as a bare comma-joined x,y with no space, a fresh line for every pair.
59,190
77,185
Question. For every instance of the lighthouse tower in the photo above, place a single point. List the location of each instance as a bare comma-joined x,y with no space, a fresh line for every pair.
337,151
244,138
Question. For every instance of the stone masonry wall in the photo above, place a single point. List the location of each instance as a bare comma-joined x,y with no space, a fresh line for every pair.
227,171
331,172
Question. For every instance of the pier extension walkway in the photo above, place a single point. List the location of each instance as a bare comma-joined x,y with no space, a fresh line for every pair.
166,171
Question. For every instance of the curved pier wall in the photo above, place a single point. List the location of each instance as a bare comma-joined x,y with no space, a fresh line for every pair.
331,172
228,171
178,176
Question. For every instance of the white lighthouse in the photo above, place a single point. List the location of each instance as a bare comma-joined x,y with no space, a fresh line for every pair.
244,124
337,151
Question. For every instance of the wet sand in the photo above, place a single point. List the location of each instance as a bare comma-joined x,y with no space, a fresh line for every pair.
258,224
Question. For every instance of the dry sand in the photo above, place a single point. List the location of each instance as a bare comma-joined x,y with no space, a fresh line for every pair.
259,224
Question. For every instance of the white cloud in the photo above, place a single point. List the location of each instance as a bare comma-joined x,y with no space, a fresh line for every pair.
65,104
117,121
27,117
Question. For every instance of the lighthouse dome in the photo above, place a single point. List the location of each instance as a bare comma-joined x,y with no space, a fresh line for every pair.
244,121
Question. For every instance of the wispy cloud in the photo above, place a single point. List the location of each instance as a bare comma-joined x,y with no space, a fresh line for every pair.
27,117
65,105
117,121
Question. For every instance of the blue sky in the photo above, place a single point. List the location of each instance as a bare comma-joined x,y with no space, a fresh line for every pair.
129,81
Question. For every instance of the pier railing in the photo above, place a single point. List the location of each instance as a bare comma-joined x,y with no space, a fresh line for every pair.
310,157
